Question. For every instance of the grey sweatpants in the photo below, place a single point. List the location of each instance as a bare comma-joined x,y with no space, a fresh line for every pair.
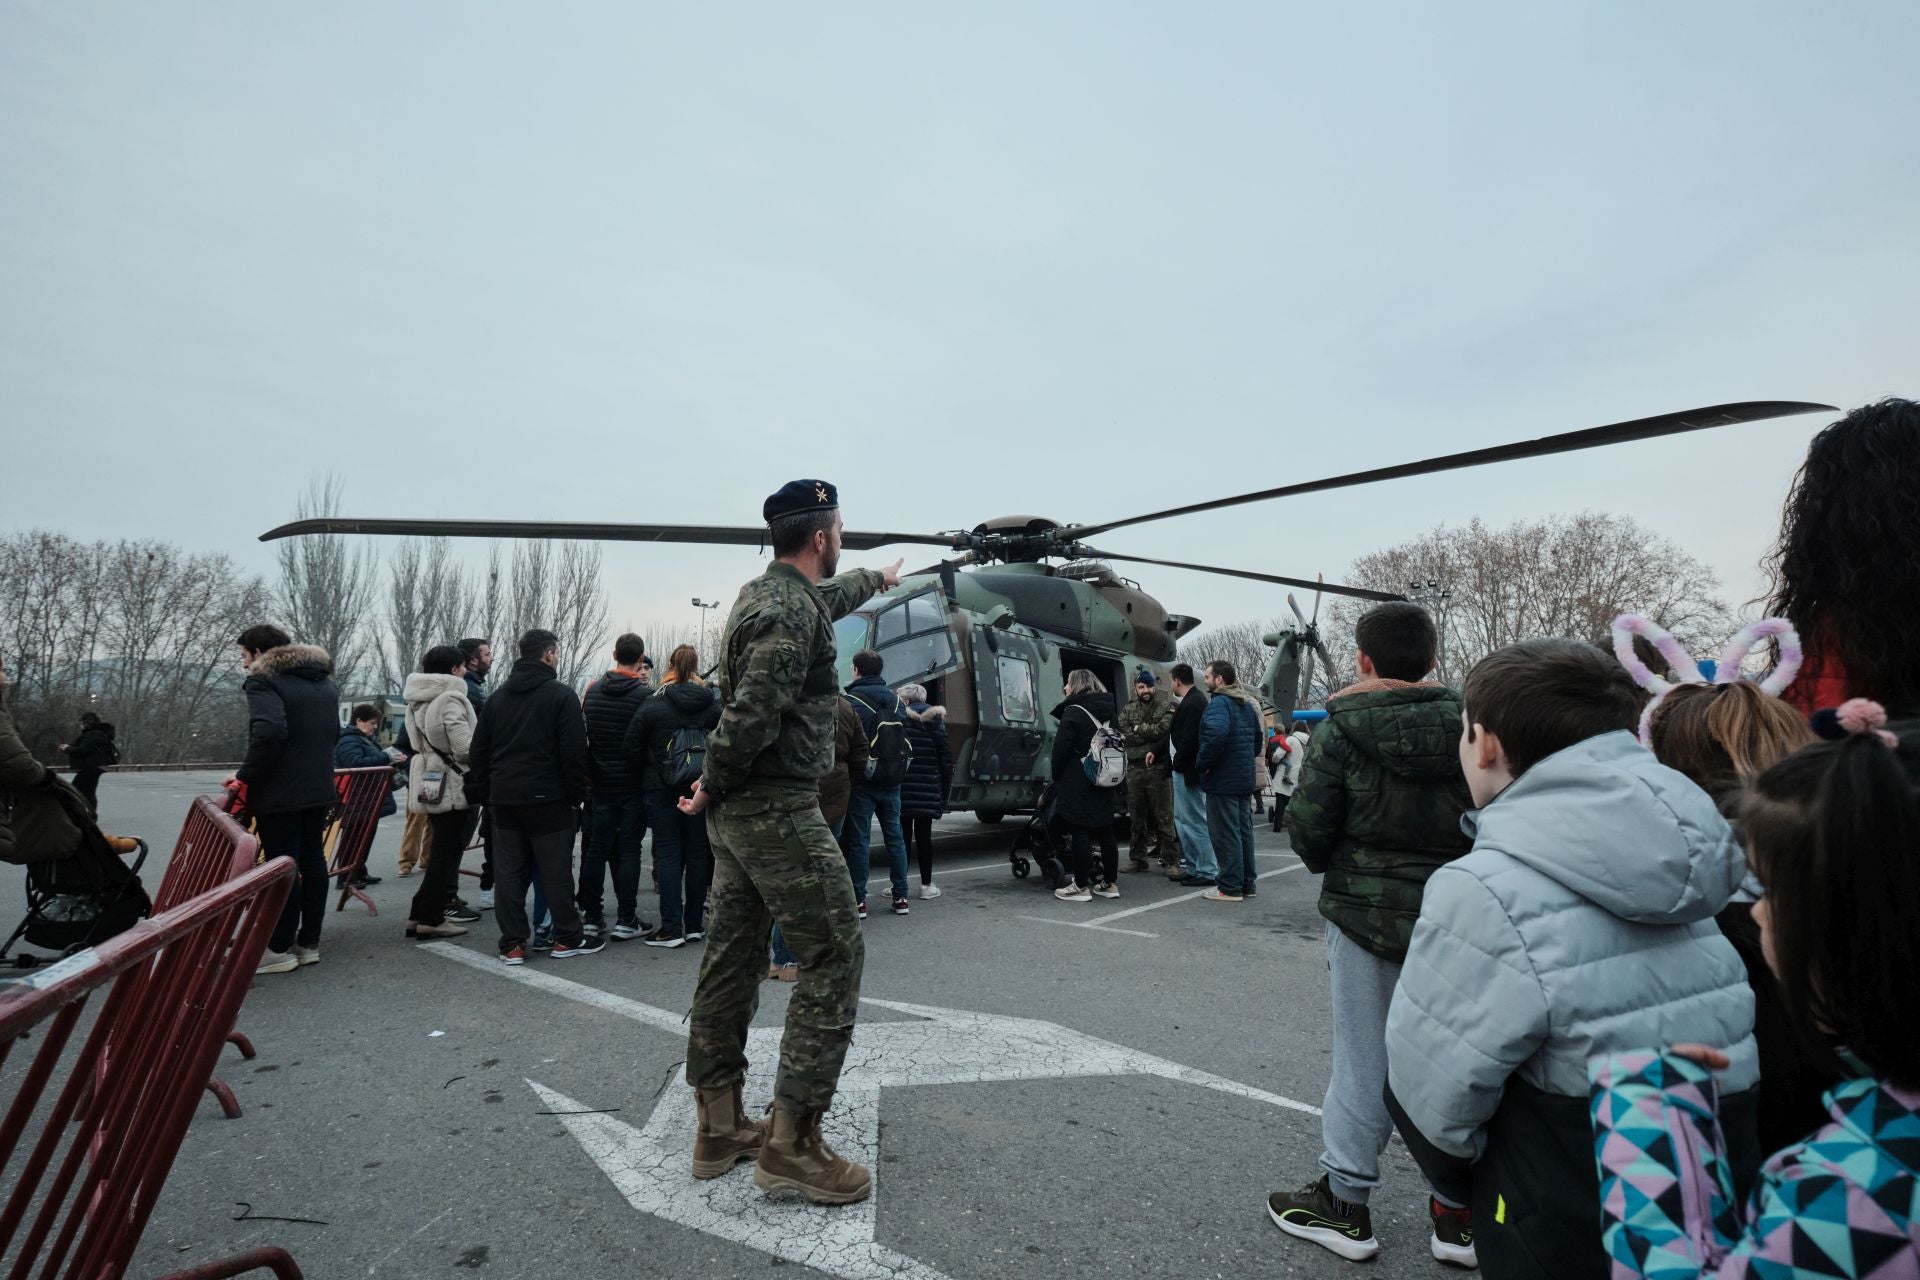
1354,1124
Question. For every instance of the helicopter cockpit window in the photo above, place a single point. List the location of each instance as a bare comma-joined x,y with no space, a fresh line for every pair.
850,633
1017,702
913,638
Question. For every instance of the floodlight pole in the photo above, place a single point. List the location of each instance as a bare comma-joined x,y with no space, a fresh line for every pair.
705,607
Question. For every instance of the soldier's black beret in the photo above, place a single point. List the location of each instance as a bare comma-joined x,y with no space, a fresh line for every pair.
796,496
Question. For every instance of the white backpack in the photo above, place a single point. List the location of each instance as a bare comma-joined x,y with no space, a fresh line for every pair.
1106,758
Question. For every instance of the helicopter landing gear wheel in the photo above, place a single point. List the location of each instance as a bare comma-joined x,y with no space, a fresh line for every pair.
989,817
1020,868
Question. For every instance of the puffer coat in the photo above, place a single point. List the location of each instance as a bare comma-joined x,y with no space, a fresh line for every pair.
1231,741
1580,924
293,720
1077,802
1378,806
923,792
440,724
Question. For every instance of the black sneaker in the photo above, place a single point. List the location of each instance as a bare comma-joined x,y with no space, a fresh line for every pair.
460,915
696,933
594,926
1452,1241
364,881
665,936
1197,882
585,947
1312,1213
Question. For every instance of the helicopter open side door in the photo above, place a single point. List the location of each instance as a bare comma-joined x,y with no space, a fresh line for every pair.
1009,672
914,636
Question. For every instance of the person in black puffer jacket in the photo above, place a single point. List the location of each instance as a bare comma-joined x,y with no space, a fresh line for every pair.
1085,810
91,754
293,720
619,820
923,795
530,767
680,847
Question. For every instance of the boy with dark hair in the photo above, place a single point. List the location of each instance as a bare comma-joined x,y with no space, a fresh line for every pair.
1581,923
1376,811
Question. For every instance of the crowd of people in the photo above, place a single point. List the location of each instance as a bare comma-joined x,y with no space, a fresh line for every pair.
1628,960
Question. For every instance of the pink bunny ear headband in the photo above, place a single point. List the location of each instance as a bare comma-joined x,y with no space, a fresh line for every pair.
1629,625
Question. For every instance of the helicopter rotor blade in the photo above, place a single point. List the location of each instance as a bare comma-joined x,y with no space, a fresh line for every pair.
1667,424
1306,677
1362,593
723,535
1316,598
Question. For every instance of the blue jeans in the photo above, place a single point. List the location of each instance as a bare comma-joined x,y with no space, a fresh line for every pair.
1190,816
858,841
685,858
1230,828
619,824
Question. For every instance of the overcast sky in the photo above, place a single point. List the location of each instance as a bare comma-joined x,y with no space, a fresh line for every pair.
612,260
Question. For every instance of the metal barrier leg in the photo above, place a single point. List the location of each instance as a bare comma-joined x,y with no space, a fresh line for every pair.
228,1103
279,1261
244,1045
353,892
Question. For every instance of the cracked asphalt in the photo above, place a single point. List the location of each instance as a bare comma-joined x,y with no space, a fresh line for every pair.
426,1155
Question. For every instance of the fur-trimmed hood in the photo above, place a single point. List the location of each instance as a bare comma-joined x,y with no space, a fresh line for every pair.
924,713
288,659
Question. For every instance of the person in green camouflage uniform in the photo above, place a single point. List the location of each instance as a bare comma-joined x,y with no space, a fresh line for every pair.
1144,724
1377,811
775,858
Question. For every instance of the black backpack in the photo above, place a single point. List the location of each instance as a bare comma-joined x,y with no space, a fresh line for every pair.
685,757
888,752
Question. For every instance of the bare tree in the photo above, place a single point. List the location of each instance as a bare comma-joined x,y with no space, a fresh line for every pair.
1244,645
142,633
430,600
326,590
1562,576
558,586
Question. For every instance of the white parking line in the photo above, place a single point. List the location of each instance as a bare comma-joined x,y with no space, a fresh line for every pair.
1082,924
1185,897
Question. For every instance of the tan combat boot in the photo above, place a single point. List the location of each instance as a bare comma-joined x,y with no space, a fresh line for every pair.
797,1158
726,1136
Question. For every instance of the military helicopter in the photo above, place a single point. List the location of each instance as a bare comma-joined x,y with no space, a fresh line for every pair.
994,629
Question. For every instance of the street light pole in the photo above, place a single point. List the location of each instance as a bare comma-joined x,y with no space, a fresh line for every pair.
705,607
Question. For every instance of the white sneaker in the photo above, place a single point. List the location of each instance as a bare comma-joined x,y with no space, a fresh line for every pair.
306,955
486,899
929,891
1106,890
277,962
1072,893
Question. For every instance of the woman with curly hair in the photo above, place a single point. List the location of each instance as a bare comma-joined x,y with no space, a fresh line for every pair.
1846,571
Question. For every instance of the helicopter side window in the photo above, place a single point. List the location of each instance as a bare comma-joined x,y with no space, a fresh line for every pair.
1018,705
913,637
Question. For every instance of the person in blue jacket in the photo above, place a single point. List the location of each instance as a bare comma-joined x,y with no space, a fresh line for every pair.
1230,738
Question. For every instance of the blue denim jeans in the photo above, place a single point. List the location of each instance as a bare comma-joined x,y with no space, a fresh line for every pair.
619,824
1230,827
685,858
1190,816
865,803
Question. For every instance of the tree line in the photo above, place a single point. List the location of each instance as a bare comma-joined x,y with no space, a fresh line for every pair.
1488,587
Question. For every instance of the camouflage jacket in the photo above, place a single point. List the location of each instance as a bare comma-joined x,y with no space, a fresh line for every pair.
777,667
1145,726
1378,806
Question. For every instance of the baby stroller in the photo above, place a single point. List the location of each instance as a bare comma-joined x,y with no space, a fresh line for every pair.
78,901
1041,841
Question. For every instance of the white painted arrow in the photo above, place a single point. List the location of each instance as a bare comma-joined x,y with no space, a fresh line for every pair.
649,1165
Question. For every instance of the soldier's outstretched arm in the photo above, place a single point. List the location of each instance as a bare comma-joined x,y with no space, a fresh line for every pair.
771,668
848,591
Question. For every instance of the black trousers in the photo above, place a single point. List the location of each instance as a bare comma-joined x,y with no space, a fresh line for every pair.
300,835
442,876
87,783
1082,854
920,838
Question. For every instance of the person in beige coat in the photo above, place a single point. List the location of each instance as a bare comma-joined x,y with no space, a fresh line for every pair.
440,727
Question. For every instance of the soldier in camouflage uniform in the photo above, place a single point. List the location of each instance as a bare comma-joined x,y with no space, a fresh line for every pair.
776,860
1144,723
1377,811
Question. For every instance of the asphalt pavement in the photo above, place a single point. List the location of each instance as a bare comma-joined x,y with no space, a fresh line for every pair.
1046,1088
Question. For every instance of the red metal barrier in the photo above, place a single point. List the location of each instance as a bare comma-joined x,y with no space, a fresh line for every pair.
212,849
174,984
350,836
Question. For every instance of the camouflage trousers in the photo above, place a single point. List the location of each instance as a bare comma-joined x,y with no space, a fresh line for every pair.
1150,815
775,860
